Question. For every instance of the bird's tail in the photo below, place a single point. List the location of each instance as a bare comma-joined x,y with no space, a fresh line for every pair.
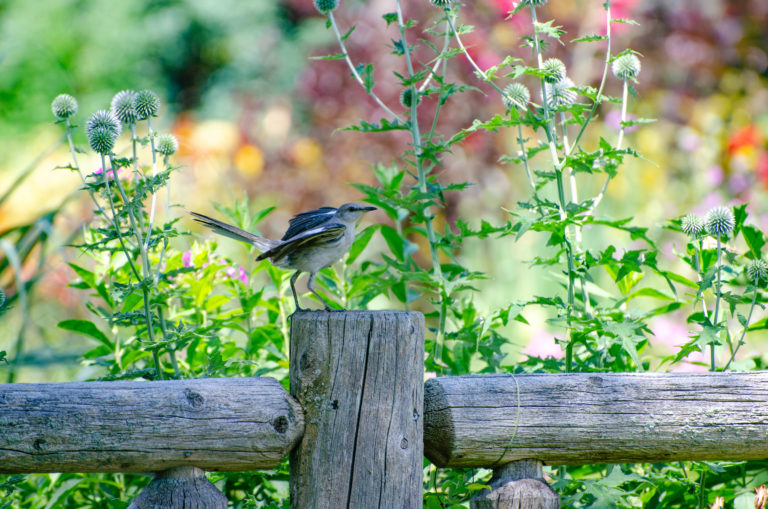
233,232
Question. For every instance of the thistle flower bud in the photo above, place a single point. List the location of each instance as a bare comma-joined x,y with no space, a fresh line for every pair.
146,103
554,70
560,93
756,270
517,95
325,6
64,106
167,144
535,3
406,97
106,120
719,221
442,4
692,225
124,106
101,140
626,67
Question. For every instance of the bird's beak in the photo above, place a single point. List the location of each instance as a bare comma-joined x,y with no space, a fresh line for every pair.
368,209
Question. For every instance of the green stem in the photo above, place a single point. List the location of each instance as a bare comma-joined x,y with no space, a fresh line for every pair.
356,74
598,96
153,206
431,238
746,326
715,316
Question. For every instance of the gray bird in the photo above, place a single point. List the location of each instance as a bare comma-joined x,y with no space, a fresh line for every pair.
314,240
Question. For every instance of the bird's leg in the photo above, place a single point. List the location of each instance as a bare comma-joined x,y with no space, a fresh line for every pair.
311,287
293,289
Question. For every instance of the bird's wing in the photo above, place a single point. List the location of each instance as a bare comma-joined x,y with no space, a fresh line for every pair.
307,221
316,237
233,232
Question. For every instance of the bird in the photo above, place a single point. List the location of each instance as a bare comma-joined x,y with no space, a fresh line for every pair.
315,239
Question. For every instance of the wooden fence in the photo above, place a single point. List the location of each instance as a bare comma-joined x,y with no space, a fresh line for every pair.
359,419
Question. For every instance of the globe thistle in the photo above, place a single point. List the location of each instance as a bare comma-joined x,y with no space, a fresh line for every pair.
442,4
101,140
64,106
560,93
692,225
719,221
325,6
167,144
406,97
517,95
535,3
554,70
146,103
106,120
626,67
124,106
757,269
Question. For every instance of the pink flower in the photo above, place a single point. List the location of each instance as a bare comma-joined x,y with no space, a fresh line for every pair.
543,345
186,259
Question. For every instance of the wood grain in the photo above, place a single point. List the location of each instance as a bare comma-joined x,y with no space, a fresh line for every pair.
214,424
359,377
583,418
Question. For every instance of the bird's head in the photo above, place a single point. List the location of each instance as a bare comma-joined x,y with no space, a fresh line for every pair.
352,212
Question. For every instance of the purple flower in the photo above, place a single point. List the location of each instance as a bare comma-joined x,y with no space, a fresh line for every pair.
186,259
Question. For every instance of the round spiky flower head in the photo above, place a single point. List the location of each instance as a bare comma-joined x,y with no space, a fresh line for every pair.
719,221
101,140
442,4
124,106
757,269
146,103
517,95
406,97
104,119
626,67
325,6
167,144
554,70
64,106
692,225
535,3
560,93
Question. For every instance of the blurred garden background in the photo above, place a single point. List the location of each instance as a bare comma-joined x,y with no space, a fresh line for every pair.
256,116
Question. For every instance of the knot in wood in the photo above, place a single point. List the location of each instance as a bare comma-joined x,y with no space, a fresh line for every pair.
195,399
280,424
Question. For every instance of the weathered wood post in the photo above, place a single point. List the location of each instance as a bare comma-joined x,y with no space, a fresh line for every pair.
517,485
359,376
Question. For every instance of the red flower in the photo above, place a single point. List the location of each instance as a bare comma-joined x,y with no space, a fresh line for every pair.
747,136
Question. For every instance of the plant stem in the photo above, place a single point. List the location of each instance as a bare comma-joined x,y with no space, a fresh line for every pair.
746,326
715,316
429,227
601,194
154,174
438,59
354,69
68,130
599,94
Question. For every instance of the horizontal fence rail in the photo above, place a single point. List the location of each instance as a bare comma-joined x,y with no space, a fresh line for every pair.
213,424
583,418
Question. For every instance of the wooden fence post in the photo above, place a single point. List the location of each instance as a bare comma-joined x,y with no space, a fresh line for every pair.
180,488
359,376
518,485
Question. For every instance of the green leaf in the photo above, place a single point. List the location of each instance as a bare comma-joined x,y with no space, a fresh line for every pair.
754,239
591,38
86,328
390,17
361,241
